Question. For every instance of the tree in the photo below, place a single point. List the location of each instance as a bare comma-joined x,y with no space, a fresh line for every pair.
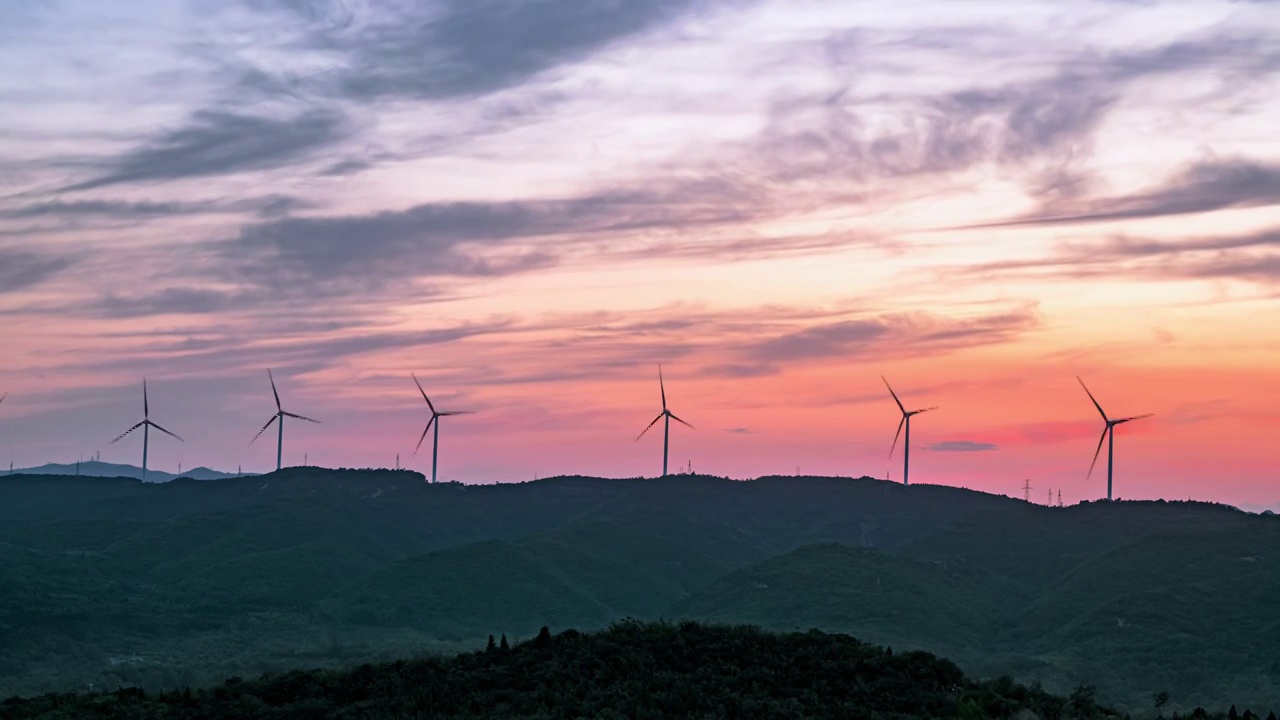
1232,714
503,645
1082,700
491,646
969,710
1161,699
544,637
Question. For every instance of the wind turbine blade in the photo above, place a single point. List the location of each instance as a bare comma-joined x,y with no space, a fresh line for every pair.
455,412
896,435
662,387
646,427
425,430
166,432
1098,451
2,397
264,427
300,417
424,393
1135,417
146,407
673,417
273,388
1095,400
126,432
894,394
923,410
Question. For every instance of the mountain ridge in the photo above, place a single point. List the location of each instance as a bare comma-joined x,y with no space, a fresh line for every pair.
201,580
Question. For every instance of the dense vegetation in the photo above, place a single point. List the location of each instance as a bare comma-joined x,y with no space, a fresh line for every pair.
632,670
112,582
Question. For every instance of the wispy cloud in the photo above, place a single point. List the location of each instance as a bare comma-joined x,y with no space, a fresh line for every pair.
456,48
20,269
1252,257
218,142
266,206
962,446
894,334
1202,187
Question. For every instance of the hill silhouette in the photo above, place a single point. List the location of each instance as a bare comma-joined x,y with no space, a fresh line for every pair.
630,670
97,468
116,582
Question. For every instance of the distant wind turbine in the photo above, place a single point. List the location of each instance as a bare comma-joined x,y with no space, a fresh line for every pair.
666,416
435,420
905,421
1108,431
279,416
146,426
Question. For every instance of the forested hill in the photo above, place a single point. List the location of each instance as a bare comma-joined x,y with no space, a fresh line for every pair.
631,670
115,582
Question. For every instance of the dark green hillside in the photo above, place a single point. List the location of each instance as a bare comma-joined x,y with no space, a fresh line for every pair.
191,580
892,599
585,575
629,671
1135,598
116,582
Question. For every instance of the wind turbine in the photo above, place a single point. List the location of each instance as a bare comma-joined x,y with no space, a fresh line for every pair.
905,421
1109,430
279,416
146,426
435,420
666,416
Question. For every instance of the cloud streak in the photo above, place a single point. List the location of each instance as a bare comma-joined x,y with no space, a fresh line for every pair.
21,269
962,446
462,49
219,142
895,335
1202,187
1253,257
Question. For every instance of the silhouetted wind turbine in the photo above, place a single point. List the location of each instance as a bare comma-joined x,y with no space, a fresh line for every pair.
906,420
279,416
666,416
435,420
1110,430
146,426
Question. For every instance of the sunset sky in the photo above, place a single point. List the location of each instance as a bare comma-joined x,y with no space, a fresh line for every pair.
532,203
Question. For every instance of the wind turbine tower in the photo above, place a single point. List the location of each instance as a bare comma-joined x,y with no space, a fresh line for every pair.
904,422
146,426
279,417
666,416
1109,435
435,420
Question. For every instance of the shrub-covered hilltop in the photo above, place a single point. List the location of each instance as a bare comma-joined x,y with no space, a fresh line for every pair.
109,583
630,670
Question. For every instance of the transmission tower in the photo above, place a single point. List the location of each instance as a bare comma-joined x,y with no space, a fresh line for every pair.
1026,488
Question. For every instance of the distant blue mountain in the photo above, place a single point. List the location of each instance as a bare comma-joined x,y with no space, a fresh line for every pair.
94,468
